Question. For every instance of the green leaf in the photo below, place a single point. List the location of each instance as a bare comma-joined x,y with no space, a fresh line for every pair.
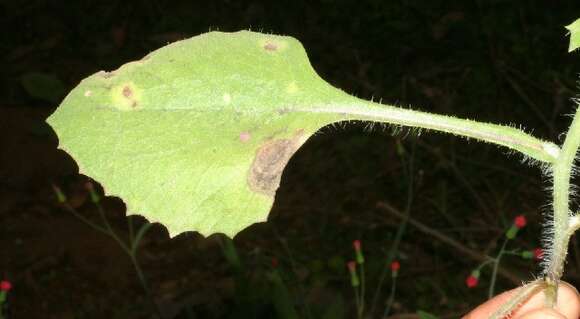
335,310
231,254
196,134
283,302
43,86
425,315
574,29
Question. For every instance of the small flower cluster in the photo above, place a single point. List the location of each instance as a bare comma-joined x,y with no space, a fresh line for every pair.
518,223
357,278
359,259
351,265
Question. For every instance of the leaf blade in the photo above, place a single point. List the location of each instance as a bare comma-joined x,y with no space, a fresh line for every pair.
196,135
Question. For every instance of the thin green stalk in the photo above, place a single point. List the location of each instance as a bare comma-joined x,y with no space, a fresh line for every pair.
357,301
130,250
132,253
131,231
140,273
391,298
294,270
400,230
110,230
362,290
85,220
496,261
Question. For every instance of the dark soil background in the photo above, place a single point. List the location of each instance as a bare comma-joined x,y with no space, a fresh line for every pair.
496,61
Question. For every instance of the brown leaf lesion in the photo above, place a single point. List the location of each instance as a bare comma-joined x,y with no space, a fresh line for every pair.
269,163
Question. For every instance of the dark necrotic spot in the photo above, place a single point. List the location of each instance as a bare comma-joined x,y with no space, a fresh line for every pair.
271,158
127,92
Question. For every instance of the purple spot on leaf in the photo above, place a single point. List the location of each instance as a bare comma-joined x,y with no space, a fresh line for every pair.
245,136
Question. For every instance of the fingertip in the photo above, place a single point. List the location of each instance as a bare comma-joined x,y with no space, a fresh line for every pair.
568,301
542,314
568,306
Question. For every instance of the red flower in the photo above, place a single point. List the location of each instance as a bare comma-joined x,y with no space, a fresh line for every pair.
356,245
395,266
274,262
471,281
520,221
538,253
351,266
5,285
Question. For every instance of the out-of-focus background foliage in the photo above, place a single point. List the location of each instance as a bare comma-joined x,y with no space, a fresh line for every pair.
498,61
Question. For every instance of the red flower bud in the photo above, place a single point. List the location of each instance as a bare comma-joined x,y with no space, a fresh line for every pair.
360,259
274,262
354,281
5,285
351,266
471,281
395,266
538,253
520,221
356,245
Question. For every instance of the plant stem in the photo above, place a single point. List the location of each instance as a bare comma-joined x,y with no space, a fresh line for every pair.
362,290
110,230
85,220
391,298
507,136
357,300
294,267
562,230
400,230
131,250
495,268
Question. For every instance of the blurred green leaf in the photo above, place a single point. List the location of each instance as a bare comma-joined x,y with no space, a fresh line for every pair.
316,265
337,263
43,86
230,253
281,297
574,29
425,315
335,310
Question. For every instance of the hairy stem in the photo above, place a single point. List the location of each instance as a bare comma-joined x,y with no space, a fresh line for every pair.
495,268
507,136
559,160
562,226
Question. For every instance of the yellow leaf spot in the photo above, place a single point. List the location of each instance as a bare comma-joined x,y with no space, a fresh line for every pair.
227,98
126,96
292,87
